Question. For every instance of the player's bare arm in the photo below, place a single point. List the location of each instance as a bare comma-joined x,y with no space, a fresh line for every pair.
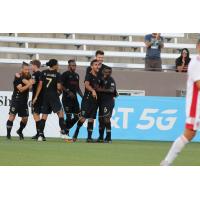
39,88
24,88
110,90
148,43
89,88
59,88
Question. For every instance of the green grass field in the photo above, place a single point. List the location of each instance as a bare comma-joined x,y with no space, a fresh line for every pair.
56,152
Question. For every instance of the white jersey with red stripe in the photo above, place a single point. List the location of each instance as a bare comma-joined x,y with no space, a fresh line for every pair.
193,95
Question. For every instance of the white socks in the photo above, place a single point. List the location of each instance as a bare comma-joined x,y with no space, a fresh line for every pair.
175,149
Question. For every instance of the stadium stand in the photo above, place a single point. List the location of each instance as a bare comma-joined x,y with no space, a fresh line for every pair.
118,51
124,52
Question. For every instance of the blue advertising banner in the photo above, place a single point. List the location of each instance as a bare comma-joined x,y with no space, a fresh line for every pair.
134,118
146,118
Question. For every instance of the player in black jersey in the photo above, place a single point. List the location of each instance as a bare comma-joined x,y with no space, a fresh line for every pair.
50,84
100,58
89,103
70,87
19,103
107,90
37,107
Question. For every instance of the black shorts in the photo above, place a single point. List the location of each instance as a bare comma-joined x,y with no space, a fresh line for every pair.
37,107
71,106
20,108
89,108
106,108
50,104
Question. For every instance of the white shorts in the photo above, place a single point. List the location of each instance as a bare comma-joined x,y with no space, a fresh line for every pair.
193,109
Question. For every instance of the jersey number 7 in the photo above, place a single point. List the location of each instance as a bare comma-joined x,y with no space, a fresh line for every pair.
49,81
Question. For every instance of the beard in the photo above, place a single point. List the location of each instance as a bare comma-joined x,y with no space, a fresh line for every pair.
26,75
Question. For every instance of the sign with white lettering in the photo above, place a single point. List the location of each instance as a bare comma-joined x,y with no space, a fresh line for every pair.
134,118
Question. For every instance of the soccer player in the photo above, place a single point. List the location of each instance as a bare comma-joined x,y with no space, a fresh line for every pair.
99,55
192,110
89,103
70,87
37,107
51,85
107,96
19,104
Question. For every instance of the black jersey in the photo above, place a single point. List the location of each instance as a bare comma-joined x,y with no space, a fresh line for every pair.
94,83
108,83
17,95
50,79
100,72
70,81
36,77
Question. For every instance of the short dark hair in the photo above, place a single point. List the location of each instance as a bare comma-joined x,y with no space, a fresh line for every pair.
24,64
52,62
71,61
99,52
36,62
93,61
108,68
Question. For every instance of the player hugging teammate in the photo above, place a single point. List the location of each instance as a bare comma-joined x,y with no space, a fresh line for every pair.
19,102
100,91
48,85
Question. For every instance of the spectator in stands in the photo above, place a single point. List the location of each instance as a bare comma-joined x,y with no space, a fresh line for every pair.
183,61
154,44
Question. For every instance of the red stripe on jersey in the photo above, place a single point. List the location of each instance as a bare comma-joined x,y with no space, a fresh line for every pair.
189,126
194,101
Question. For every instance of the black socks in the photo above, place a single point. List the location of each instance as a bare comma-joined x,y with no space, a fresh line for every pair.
9,126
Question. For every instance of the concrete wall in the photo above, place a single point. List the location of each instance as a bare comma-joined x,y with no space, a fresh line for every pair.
154,83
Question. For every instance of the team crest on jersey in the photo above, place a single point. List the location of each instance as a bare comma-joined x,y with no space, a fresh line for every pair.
105,110
13,109
112,84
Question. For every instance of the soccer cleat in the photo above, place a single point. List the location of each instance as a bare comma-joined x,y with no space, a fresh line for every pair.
35,137
8,136
74,139
41,137
21,136
108,141
99,140
67,137
164,163
90,140
62,134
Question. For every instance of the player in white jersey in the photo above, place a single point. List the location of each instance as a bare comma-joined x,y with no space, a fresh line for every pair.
192,110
